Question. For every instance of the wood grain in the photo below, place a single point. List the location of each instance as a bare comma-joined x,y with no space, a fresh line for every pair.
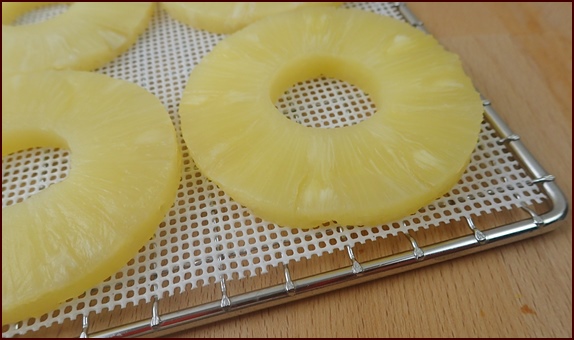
519,56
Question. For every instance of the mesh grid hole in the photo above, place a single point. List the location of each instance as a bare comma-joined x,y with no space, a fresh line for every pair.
27,172
43,13
325,103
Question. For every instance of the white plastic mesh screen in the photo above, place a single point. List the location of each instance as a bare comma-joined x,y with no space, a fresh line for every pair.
206,236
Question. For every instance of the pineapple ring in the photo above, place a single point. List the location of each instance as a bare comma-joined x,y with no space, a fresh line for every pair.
228,17
124,173
413,149
86,36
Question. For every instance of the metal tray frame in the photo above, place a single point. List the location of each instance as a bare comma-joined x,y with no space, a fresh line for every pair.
292,290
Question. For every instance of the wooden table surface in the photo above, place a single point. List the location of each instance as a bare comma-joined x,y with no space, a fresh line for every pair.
520,57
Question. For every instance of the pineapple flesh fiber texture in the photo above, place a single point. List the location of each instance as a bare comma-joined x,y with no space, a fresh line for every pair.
411,151
125,168
228,17
86,36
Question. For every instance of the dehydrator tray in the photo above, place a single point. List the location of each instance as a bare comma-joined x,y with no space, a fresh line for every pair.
207,242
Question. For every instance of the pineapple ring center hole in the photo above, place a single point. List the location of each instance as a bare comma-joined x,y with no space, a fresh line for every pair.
325,102
28,172
24,15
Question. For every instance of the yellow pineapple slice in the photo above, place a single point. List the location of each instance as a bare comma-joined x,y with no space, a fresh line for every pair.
413,149
228,17
86,36
124,173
